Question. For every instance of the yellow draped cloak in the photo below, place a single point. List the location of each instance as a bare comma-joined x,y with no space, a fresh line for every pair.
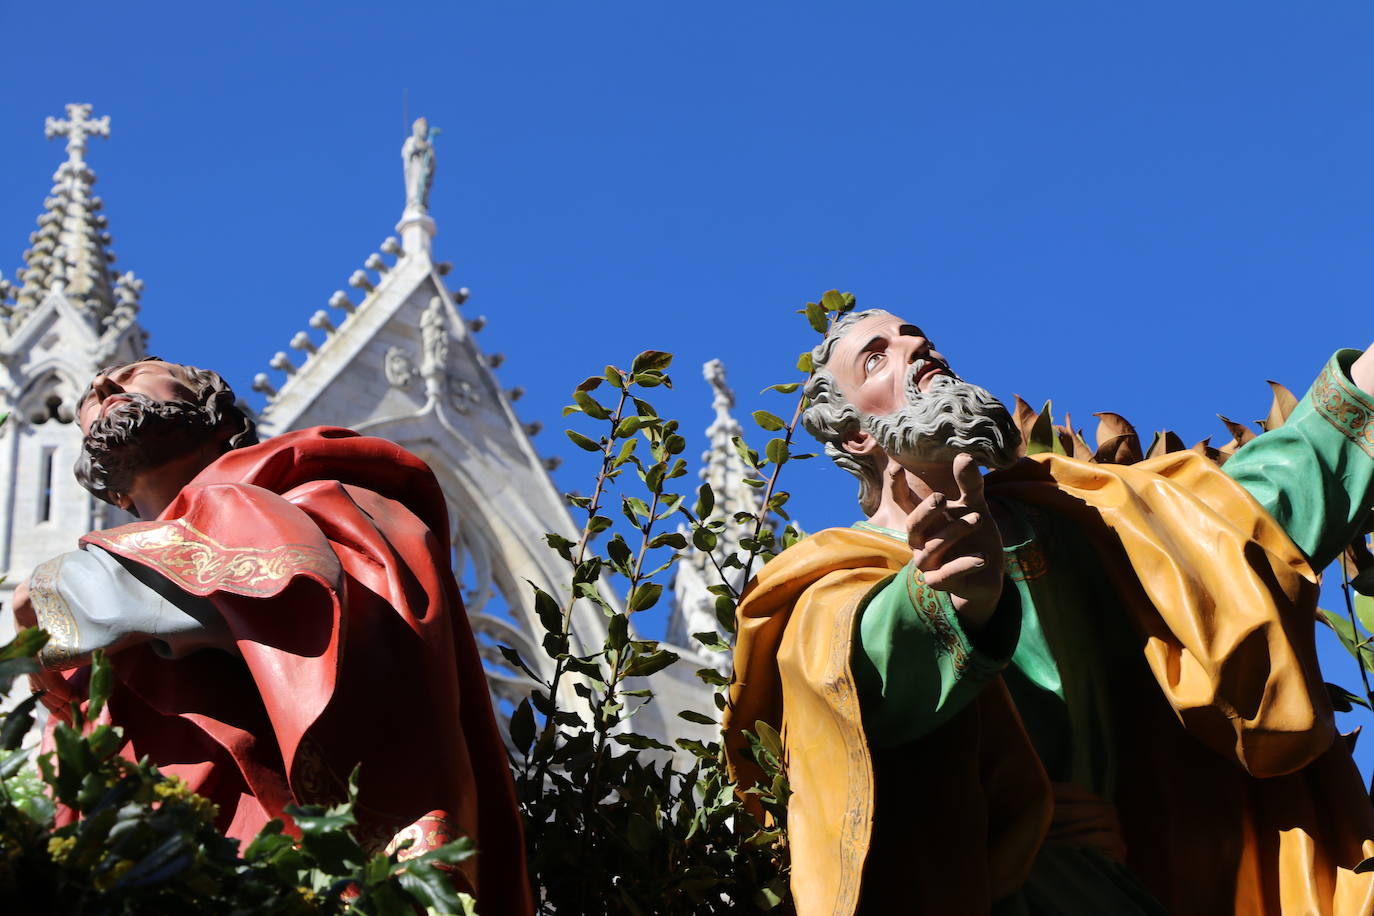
1235,794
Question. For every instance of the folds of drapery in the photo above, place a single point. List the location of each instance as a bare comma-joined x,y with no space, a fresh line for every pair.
1233,794
326,553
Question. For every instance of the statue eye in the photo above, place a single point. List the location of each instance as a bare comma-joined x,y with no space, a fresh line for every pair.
872,362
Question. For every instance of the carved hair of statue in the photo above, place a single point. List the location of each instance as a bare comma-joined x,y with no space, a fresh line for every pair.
949,418
830,417
144,433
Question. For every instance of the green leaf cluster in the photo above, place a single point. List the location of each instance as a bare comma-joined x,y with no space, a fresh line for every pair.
133,840
618,821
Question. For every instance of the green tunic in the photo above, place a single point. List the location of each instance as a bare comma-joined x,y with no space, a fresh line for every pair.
915,665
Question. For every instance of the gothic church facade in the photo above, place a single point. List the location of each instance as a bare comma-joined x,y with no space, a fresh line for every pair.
393,355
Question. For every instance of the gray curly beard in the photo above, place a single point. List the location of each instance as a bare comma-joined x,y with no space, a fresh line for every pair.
136,436
951,417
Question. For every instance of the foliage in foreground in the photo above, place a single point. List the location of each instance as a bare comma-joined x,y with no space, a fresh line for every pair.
141,842
619,822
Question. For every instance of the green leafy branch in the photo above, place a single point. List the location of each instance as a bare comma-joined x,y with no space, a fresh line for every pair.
139,841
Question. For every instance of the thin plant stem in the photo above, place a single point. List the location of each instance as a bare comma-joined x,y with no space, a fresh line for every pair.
762,516
559,665
1359,649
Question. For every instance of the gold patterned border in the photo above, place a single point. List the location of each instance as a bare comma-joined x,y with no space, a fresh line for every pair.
429,832
55,616
201,565
1343,409
930,608
1025,563
856,826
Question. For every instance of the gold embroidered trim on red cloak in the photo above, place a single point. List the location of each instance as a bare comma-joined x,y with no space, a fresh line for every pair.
429,832
201,565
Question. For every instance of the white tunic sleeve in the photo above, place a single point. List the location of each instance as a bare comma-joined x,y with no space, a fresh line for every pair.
90,599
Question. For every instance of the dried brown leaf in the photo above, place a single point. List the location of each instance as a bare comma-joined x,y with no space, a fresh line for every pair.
1112,425
1165,442
1024,417
1240,434
1204,448
1066,437
1279,411
1121,450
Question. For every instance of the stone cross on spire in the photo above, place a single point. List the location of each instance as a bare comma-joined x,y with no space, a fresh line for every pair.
78,126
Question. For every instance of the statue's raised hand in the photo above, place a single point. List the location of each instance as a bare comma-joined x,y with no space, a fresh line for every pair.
956,545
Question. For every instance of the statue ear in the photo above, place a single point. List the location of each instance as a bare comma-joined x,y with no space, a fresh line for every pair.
859,442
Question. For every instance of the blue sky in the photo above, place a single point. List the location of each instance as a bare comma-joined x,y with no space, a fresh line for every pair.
1146,209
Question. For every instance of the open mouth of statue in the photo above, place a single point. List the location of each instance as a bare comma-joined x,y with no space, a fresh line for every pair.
926,374
113,402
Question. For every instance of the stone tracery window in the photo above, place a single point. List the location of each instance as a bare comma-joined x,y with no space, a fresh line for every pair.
490,612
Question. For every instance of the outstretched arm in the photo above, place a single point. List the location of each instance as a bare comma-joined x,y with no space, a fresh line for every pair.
1315,474
89,599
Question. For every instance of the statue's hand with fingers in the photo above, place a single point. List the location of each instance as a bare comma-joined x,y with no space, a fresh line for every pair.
955,543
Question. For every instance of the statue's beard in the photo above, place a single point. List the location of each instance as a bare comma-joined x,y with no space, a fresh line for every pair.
137,436
951,417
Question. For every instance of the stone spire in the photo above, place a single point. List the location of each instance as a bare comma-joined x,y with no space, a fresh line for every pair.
69,254
725,471
723,468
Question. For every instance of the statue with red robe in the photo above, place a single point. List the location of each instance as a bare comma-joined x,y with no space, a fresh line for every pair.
282,613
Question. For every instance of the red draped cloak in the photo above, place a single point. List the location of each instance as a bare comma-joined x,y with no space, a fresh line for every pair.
327,553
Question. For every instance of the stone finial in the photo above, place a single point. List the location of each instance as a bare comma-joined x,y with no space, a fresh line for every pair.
302,341
533,428
320,322
282,362
724,398
417,156
516,393
460,295
553,463
359,280
341,301
443,268
127,289
477,324
76,128
374,262
494,360
392,246
263,384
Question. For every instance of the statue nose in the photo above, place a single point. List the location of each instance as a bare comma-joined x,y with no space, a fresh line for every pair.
104,386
